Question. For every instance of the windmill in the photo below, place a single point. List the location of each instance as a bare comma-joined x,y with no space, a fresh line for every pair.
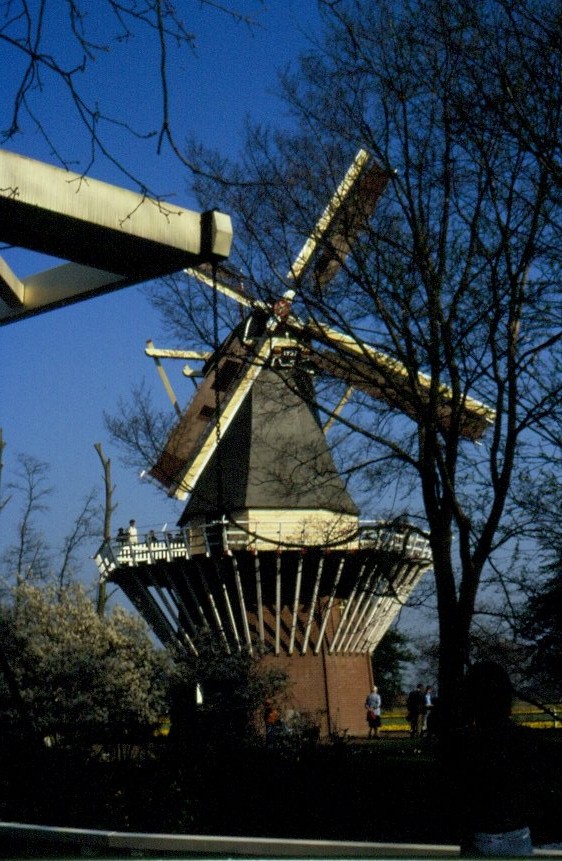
271,555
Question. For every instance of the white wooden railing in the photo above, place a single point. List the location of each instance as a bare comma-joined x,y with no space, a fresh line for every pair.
227,537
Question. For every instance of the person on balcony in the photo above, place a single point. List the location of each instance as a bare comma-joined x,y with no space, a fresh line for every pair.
133,532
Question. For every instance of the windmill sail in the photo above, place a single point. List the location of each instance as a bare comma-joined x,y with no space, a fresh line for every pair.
234,369
222,392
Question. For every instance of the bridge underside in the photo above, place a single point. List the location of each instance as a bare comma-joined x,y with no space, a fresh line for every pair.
113,237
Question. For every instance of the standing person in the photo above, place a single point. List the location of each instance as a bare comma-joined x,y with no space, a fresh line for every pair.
133,532
373,704
493,766
434,727
428,705
272,722
416,710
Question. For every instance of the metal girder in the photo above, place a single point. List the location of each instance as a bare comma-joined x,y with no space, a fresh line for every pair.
112,237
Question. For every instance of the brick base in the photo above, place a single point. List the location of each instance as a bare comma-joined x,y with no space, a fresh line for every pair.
330,690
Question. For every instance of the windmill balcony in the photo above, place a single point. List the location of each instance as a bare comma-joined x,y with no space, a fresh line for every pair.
223,538
314,610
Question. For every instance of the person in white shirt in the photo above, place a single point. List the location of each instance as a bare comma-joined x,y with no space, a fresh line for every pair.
428,705
133,532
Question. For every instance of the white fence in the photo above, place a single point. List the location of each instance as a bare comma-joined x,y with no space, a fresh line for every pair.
226,537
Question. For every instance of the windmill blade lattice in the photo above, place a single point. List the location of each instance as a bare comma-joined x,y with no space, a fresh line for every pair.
272,327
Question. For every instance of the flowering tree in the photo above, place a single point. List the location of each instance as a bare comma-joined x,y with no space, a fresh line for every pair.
75,670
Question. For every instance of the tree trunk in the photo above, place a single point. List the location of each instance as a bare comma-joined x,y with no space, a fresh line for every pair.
453,650
108,511
454,630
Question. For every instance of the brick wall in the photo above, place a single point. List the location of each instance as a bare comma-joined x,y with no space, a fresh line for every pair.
329,689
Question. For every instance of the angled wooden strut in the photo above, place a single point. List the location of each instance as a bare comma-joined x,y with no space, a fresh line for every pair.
112,237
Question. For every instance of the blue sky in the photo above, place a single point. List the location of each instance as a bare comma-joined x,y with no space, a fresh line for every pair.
61,370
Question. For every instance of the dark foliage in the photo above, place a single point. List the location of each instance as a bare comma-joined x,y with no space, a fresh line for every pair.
323,792
542,625
233,689
389,659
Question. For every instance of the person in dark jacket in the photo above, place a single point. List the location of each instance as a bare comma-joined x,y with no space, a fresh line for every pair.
492,767
415,705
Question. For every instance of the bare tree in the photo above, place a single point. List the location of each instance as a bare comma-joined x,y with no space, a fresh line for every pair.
32,558
85,526
54,58
3,500
28,558
138,429
109,507
108,510
523,94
